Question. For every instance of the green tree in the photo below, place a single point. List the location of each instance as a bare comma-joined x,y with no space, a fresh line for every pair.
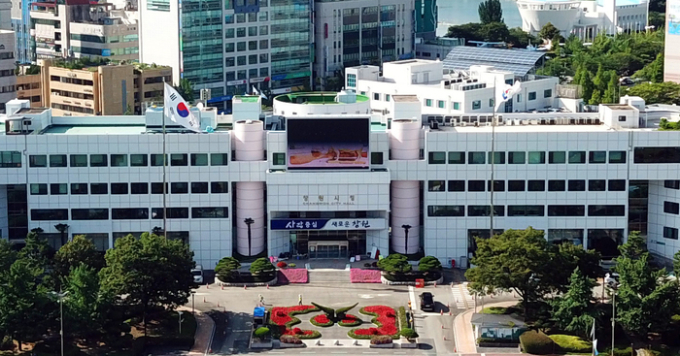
665,125
186,90
611,95
657,93
468,31
676,265
490,11
7,255
226,267
635,246
548,32
429,263
583,78
566,257
77,251
514,260
84,302
37,251
595,98
653,71
395,262
519,38
575,310
260,265
599,80
494,32
150,271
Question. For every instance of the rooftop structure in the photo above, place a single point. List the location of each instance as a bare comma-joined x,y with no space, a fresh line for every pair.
519,61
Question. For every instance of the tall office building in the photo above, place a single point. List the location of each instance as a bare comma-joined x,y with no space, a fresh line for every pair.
21,24
8,79
671,70
426,17
230,46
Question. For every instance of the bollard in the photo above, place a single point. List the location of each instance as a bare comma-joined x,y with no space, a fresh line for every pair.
441,312
435,284
337,342
444,337
442,326
450,313
204,300
218,304
245,287
448,305
318,343
223,287
451,285
267,285
207,286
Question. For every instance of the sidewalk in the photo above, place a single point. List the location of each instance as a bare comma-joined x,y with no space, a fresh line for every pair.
205,330
465,340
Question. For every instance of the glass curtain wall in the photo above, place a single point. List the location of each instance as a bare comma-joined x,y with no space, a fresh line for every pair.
201,44
291,51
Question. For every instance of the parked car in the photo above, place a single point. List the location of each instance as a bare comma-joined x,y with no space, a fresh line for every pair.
198,274
427,302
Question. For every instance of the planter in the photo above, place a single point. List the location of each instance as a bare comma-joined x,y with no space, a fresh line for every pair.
285,345
410,283
261,345
409,344
248,284
382,346
498,344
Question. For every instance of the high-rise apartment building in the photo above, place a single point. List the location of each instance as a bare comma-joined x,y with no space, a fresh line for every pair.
671,71
230,46
8,79
21,25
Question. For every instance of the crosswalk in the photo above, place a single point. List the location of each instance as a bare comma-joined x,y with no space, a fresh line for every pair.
462,296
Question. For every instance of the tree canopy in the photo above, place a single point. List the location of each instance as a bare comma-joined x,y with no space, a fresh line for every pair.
490,11
395,262
658,93
548,31
78,251
575,310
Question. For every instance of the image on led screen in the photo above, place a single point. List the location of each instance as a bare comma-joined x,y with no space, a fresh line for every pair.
328,143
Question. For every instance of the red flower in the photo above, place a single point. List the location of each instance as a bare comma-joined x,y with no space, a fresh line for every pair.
385,319
322,319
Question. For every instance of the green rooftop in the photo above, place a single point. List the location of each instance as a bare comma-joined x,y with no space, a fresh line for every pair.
94,130
247,98
315,98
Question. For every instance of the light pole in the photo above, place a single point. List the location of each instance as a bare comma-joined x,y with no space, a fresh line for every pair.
193,293
60,297
406,227
179,314
613,284
249,221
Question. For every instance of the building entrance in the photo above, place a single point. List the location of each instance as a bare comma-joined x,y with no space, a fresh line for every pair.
328,244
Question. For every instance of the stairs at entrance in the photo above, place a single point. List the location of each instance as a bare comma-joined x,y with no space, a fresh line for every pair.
328,271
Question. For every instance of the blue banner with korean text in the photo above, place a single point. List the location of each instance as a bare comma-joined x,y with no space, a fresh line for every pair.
328,224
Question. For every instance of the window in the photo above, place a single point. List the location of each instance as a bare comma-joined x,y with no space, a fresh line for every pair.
219,187
219,159
119,188
597,157
79,188
441,104
199,187
446,210
178,159
668,232
498,185
485,210
157,188
566,210
376,96
89,214
577,185
476,186
597,185
173,213
10,159
139,160
557,157
526,210
376,158
279,158
199,159
547,93
119,160
498,158
456,105
617,156
515,186
556,186
516,157
130,214
532,96
668,207
99,160
37,161
209,213
38,189
179,188
490,103
456,186
437,158
606,210
577,157
617,185
622,118
58,189
536,157
647,155
672,184
536,186
428,102
78,160
388,97
99,188
476,158
476,105
456,157
351,80
158,160
519,98
436,186
139,188
49,214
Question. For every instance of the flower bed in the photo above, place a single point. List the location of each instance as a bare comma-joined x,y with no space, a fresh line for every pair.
350,320
284,319
321,320
358,275
386,319
293,275
303,334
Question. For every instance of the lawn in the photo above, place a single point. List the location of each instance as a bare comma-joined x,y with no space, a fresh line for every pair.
500,310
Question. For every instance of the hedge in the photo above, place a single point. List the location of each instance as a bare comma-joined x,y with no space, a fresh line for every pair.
573,344
403,320
537,343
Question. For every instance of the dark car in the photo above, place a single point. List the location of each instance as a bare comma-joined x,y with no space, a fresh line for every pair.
427,301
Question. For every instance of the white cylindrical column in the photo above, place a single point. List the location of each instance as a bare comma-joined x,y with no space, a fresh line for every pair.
249,145
405,211
405,139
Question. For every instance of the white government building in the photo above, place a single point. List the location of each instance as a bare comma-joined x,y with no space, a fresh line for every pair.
340,174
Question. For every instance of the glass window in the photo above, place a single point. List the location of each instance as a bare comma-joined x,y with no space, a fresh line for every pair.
498,186
617,185
648,155
219,187
99,160
577,185
157,188
485,210
526,210
173,213
209,213
199,187
476,105
515,186
577,157
376,158
241,18
557,157
89,214
38,189
428,102
130,214
119,160
279,158
547,93
139,188
179,188
199,159
79,188
376,96
476,186
668,232
668,206
456,157
157,160
99,188
536,186
58,189
446,210
78,160
178,159
264,44
351,80
672,184
536,157
139,160
437,158
252,30
516,157
229,32
456,105
10,159
566,210
498,158
532,96
597,185
228,47
119,188
597,157
387,97
476,158
219,159
456,186
37,161
606,210
436,186
241,60
49,214
617,156
556,186
441,104
241,46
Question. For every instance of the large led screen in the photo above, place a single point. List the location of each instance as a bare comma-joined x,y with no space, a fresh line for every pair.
328,143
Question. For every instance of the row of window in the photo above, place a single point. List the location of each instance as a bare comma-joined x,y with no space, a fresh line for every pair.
672,184
129,188
671,208
533,157
525,210
557,185
670,233
128,213
125,160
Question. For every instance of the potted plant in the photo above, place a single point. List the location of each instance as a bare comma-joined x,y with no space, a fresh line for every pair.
381,341
410,335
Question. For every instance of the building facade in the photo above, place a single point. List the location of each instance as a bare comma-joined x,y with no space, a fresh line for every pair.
671,70
8,79
21,25
29,87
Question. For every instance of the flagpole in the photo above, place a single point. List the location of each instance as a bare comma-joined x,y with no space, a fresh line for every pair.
493,154
165,164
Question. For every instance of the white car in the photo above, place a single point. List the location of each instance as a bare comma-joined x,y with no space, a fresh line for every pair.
198,274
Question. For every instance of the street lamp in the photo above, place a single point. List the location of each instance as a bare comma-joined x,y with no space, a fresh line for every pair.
406,227
60,297
193,293
249,221
613,284
63,230
179,313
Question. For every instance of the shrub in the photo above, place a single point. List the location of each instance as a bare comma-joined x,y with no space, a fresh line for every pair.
536,343
429,263
394,263
403,320
493,340
6,343
381,340
572,344
290,339
408,333
225,268
261,265
292,265
340,312
281,264
261,332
